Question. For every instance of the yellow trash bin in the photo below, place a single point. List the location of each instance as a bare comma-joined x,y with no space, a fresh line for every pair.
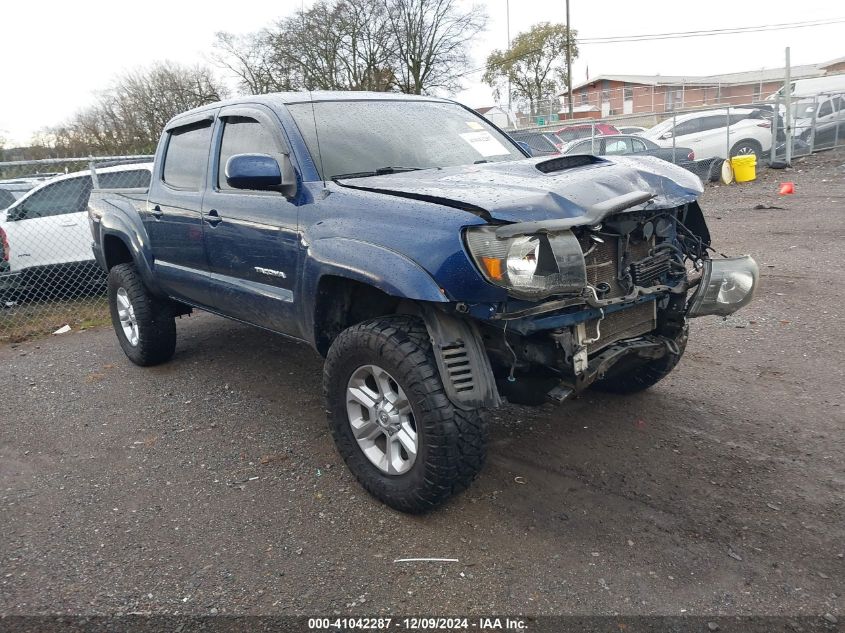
744,167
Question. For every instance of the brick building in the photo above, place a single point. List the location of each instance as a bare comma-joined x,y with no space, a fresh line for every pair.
608,95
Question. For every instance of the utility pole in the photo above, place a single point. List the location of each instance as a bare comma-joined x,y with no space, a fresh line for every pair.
508,20
569,62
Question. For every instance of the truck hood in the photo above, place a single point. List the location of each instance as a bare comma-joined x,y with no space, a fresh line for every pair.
539,188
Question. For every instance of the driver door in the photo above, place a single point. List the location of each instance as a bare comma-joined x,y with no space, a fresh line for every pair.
251,237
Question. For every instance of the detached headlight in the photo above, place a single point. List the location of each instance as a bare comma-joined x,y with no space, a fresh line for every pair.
529,266
726,285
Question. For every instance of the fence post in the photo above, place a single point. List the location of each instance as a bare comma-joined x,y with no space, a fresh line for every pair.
674,132
813,124
775,119
728,132
838,121
95,181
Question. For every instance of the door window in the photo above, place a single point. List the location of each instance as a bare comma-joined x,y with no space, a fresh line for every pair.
617,146
242,135
688,127
187,156
59,198
637,145
826,109
133,179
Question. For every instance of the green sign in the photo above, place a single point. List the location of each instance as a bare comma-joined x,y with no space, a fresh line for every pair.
541,121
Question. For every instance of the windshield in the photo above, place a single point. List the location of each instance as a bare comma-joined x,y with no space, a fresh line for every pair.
663,126
356,137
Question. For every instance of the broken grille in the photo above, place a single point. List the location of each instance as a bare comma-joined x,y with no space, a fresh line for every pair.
628,323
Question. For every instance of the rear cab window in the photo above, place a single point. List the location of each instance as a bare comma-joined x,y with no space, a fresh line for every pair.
131,179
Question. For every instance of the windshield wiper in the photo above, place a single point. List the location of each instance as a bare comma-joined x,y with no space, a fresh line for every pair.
381,171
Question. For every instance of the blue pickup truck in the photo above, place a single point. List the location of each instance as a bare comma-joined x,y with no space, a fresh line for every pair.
434,263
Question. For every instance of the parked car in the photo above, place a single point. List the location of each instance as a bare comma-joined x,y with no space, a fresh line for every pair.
45,237
585,130
433,283
540,143
631,129
630,145
820,120
706,132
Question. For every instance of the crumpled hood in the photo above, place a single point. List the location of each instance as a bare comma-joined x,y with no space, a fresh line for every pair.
518,191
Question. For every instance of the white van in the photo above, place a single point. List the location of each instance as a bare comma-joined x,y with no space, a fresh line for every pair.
812,87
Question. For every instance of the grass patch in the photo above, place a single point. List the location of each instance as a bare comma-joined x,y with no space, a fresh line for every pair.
36,319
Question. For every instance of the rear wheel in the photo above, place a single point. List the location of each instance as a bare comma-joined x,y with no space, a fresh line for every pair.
747,147
145,325
398,433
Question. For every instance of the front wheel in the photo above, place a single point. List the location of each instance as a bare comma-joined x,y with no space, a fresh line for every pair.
145,325
391,420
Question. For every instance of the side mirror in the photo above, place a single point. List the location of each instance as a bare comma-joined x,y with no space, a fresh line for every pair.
666,136
258,172
526,147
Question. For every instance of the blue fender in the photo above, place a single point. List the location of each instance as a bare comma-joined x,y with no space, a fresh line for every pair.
377,266
121,220
380,267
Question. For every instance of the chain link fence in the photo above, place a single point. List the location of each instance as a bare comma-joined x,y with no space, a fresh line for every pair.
48,276
701,125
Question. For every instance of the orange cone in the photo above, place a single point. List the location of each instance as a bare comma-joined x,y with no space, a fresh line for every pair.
786,188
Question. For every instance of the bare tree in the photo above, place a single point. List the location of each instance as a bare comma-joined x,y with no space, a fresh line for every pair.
535,64
254,61
432,38
130,115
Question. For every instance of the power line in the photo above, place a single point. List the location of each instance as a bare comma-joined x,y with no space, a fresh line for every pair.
618,39
710,32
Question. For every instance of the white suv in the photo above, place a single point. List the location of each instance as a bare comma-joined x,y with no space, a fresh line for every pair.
706,132
44,236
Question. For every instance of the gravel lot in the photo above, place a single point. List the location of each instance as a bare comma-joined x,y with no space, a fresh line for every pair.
211,484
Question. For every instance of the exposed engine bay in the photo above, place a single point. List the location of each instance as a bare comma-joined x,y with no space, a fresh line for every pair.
593,299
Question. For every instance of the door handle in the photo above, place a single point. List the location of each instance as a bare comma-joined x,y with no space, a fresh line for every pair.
157,212
213,218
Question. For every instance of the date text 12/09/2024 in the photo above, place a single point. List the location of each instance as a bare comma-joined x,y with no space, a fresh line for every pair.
418,624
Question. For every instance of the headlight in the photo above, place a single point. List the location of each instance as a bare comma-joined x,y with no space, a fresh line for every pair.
529,266
726,285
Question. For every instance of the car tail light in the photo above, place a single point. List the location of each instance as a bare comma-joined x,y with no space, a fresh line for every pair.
691,155
4,244
765,124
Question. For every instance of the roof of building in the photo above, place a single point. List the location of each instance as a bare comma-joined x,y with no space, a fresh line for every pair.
487,109
804,71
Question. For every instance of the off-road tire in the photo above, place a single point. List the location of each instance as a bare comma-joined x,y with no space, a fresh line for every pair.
627,380
154,317
452,443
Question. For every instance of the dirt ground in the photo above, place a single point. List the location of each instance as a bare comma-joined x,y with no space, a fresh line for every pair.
211,484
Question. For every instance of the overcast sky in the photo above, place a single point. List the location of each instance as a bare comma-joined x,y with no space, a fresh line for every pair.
58,53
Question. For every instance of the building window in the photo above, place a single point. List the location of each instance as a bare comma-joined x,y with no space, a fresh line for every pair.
674,99
585,98
628,92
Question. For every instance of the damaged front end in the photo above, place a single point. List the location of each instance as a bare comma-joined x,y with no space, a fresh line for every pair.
599,296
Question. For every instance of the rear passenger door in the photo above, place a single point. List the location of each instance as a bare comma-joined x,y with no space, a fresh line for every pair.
173,216
251,237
